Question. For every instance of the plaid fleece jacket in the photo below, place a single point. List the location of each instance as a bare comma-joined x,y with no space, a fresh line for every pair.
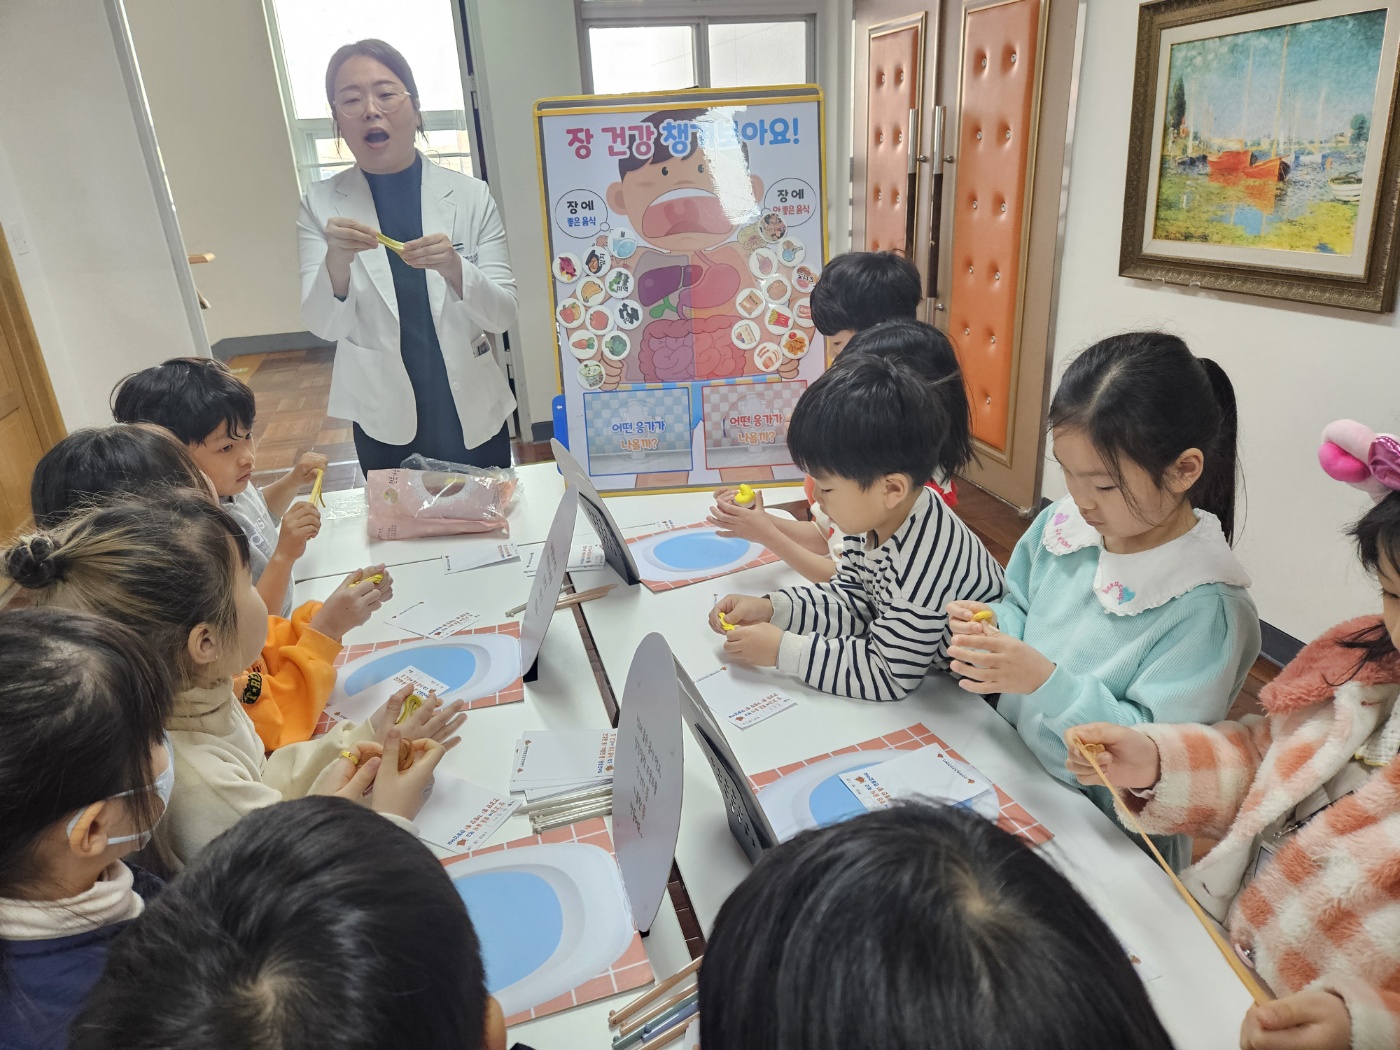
1326,911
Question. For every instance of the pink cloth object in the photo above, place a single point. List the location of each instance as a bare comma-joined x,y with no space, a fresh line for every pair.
407,503
1356,454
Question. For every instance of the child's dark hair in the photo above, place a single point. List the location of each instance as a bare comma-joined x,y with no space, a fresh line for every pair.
308,923
930,355
916,926
859,289
192,397
99,462
1377,536
865,417
82,702
1145,398
163,564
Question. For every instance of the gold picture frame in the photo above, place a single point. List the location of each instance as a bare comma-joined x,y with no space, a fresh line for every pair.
1259,165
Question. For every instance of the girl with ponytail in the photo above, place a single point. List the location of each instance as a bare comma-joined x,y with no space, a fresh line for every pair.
1124,602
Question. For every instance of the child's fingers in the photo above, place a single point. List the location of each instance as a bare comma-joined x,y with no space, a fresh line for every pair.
979,656
363,778
449,728
971,685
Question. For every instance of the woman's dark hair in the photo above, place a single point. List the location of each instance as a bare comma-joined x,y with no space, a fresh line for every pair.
930,355
865,417
861,289
1377,536
386,55
917,926
164,563
124,458
314,923
1145,398
82,702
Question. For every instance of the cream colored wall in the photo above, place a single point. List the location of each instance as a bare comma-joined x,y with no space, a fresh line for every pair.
98,276
1295,367
209,77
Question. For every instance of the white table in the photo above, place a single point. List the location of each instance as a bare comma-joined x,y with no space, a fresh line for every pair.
344,546
1200,1001
564,697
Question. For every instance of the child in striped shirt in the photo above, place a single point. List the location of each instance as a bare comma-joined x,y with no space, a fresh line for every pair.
869,433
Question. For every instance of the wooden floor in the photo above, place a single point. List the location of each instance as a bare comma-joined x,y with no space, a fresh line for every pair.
292,389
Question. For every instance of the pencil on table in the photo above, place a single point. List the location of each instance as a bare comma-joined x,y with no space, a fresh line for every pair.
616,1017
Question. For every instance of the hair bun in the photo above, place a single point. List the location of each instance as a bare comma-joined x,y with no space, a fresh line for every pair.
33,563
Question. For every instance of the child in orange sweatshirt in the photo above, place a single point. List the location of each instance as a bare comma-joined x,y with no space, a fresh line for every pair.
285,691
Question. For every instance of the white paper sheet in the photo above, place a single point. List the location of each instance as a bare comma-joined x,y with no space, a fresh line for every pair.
462,815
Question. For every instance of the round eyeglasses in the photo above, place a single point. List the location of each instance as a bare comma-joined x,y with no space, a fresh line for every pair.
384,102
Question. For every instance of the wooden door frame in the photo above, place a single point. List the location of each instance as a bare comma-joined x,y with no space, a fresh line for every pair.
1060,51
17,327
930,68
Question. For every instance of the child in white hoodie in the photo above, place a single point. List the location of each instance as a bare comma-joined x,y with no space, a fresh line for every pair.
176,567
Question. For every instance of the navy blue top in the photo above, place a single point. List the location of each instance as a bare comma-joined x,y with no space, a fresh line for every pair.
398,199
43,983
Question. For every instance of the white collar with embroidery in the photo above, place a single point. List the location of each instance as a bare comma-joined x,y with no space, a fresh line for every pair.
1127,584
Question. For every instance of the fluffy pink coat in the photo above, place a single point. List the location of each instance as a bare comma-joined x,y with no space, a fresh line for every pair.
1326,912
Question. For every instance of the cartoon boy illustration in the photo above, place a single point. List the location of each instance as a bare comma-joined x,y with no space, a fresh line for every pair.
691,272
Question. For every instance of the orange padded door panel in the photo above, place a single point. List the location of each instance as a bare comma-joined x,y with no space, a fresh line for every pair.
994,149
895,76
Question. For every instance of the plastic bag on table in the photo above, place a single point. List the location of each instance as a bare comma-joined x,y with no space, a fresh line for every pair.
504,476
408,502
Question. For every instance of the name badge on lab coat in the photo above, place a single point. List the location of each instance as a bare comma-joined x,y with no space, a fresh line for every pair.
481,346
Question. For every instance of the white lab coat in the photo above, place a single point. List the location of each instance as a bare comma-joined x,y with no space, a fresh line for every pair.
369,383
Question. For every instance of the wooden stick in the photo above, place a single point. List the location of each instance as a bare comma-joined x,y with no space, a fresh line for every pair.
316,500
1242,971
616,1017
671,1036
642,1020
570,599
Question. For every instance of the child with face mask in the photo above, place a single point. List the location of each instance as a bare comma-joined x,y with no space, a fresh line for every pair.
86,771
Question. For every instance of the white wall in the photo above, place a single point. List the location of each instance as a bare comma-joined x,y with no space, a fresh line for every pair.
524,50
1295,367
212,87
100,280
517,64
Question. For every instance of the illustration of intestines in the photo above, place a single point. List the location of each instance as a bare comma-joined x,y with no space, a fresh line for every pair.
676,350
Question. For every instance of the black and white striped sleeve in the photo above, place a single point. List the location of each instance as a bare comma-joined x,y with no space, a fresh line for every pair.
892,637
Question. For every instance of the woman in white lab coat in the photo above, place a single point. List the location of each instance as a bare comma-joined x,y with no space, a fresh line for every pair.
414,369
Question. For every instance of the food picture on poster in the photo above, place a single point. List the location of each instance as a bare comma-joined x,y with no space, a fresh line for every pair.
683,234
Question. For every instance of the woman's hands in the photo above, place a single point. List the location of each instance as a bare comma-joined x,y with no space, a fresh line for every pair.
345,238
1309,1020
1129,759
434,251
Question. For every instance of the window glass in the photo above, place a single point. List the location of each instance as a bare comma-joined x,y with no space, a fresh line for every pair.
642,58
745,54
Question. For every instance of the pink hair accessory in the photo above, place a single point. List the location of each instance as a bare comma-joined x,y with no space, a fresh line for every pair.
1356,454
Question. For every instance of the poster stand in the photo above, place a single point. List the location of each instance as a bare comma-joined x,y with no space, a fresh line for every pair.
684,231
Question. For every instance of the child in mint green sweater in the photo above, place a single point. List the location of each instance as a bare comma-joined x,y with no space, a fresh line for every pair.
1124,602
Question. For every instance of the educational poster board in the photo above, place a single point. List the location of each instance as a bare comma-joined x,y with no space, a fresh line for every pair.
684,233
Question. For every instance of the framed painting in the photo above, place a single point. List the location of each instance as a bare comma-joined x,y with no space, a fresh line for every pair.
1265,149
